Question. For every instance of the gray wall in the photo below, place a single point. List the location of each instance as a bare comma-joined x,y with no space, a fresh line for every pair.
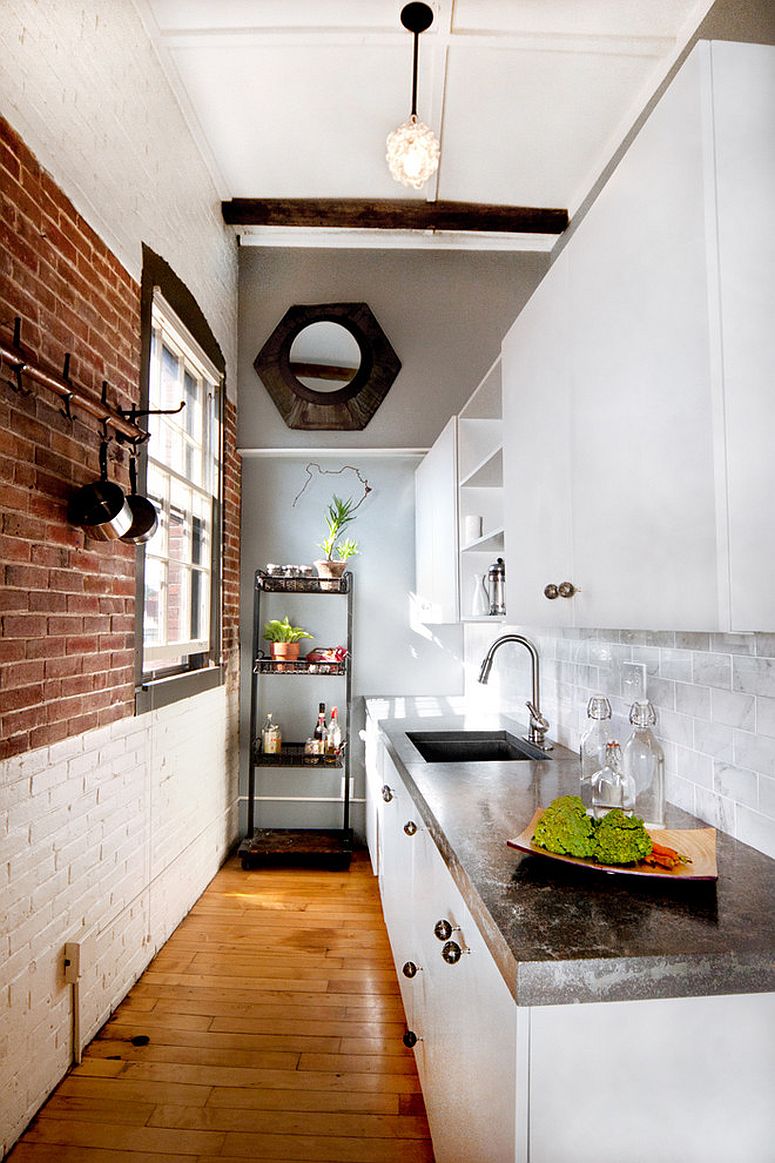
445,313
391,657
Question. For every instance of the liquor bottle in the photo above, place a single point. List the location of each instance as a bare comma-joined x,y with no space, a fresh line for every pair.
644,762
271,737
333,735
611,787
593,743
320,727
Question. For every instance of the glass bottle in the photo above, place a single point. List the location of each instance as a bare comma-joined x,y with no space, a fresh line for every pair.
593,743
644,763
333,736
319,733
611,788
271,737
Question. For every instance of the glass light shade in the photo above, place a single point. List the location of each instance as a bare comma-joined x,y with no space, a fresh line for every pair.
412,153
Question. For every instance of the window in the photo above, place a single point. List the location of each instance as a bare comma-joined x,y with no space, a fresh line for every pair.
181,567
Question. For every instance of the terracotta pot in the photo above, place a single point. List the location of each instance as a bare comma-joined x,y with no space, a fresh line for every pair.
330,568
284,650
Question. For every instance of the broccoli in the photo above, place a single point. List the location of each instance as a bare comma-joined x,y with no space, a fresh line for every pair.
565,828
620,839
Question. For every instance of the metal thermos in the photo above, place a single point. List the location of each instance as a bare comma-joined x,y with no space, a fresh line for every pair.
496,587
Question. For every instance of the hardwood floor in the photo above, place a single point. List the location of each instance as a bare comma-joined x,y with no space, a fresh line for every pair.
268,1027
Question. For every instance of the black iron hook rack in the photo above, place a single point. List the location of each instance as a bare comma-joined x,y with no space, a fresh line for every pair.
122,420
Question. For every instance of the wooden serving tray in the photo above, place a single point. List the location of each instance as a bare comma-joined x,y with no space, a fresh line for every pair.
698,844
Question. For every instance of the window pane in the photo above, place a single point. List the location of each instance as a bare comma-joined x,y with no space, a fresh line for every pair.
192,412
169,394
154,589
200,605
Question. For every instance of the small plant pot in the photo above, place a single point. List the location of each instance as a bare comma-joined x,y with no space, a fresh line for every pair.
284,651
330,568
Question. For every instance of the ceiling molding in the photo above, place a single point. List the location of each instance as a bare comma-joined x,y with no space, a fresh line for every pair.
602,44
393,214
293,237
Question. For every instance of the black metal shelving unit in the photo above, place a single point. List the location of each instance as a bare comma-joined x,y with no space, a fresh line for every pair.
315,847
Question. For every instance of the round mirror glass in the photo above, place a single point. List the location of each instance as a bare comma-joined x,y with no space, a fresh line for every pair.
324,356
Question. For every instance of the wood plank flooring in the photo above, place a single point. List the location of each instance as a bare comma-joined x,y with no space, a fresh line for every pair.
274,1028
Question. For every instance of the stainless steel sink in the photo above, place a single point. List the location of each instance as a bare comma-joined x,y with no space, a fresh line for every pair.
472,746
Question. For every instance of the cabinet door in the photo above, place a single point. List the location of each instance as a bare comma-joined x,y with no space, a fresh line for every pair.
468,1070
397,878
642,440
436,559
744,133
536,454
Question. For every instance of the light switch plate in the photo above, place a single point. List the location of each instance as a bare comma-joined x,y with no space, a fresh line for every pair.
634,681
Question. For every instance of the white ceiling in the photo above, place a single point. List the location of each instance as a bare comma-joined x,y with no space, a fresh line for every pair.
530,98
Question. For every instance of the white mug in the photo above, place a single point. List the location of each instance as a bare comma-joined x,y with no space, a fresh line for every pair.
472,527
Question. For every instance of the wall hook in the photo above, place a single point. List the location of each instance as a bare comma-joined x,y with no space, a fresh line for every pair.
66,411
131,414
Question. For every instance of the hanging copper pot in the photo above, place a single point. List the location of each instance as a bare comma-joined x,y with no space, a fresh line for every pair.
101,508
145,518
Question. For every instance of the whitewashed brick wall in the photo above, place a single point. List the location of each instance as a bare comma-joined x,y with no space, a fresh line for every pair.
112,834
81,83
714,695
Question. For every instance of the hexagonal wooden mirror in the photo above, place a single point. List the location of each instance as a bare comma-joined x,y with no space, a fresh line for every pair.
327,366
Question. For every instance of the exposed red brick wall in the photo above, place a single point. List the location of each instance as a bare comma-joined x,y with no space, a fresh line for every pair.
67,604
232,479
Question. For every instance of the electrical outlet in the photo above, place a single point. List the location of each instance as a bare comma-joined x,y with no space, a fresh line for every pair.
634,681
72,961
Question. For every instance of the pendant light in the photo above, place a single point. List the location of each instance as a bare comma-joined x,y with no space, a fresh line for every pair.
412,149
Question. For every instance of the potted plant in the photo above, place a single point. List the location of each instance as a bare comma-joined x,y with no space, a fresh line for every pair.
283,638
339,515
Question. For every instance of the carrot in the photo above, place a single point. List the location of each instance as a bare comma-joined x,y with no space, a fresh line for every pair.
664,857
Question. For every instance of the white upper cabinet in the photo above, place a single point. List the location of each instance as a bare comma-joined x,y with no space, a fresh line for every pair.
744,144
536,460
436,556
635,379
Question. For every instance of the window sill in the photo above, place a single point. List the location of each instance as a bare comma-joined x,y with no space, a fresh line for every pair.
162,692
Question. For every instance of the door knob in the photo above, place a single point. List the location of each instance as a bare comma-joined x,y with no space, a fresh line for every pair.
452,952
409,969
444,929
410,827
565,589
387,794
410,1039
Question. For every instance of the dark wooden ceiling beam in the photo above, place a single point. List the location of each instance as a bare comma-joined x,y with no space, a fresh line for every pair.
393,214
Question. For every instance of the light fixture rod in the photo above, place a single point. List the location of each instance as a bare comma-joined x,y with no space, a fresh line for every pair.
416,18
415,59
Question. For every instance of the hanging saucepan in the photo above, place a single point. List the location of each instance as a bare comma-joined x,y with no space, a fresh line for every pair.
101,508
145,519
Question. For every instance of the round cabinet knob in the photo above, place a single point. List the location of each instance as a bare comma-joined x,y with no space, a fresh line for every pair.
409,969
444,929
410,827
566,589
410,1039
387,794
551,592
452,953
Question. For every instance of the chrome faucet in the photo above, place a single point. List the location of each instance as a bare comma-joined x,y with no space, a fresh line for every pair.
538,724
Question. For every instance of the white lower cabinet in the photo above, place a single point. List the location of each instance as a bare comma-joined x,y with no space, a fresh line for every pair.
455,999
667,1078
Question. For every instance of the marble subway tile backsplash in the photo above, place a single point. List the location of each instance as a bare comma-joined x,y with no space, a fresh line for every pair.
714,694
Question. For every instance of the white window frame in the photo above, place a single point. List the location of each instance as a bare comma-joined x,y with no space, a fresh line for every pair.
170,332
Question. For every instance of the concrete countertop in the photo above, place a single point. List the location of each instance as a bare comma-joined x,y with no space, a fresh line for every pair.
560,934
